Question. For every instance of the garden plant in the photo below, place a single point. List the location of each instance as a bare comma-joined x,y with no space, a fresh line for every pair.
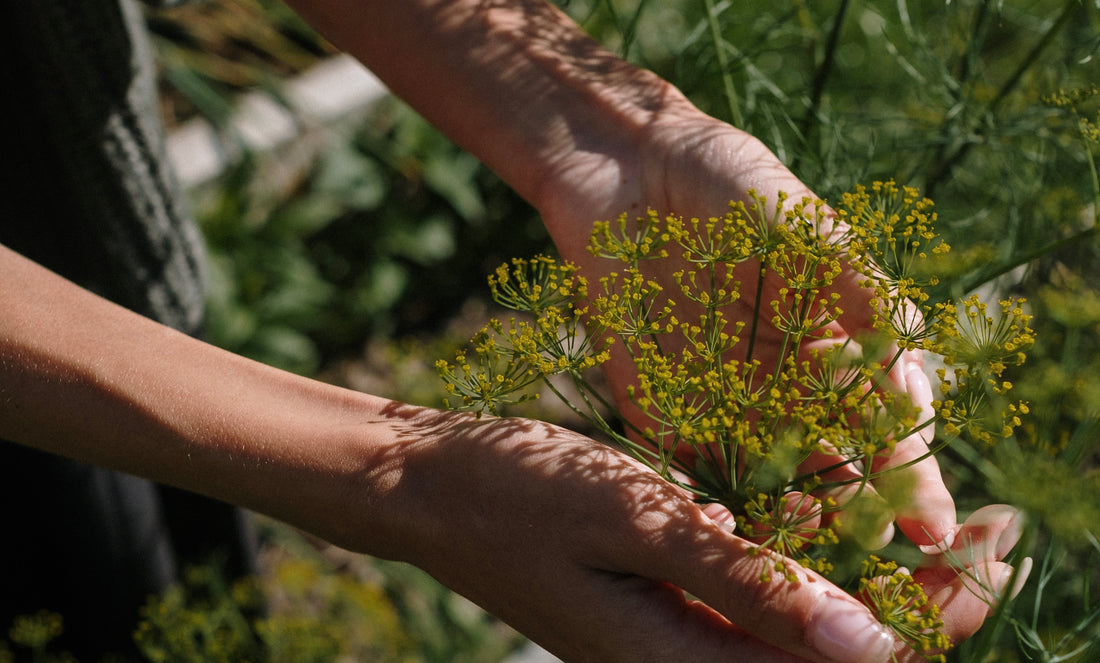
767,415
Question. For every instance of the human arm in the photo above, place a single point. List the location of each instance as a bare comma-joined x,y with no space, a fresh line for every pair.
569,540
585,136
578,546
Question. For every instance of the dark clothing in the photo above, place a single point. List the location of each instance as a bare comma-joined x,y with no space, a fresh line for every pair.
85,191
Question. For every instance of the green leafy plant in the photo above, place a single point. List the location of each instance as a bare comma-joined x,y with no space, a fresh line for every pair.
302,611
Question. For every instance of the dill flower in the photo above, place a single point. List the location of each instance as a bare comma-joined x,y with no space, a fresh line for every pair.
1074,102
715,423
629,241
901,605
734,421
37,630
897,251
978,347
786,526
497,380
969,334
537,284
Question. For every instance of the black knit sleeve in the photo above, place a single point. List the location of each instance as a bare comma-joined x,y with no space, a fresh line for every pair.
89,193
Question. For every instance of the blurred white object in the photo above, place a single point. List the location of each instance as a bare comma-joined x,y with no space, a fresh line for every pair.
324,94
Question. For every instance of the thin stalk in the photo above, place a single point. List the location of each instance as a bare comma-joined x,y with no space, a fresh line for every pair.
632,29
879,378
729,92
821,77
591,416
970,56
1095,186
758,300
943,166
729,459
969,284
957,89
865,476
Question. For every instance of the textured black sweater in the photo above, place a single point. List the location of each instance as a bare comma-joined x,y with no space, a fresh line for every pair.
84,187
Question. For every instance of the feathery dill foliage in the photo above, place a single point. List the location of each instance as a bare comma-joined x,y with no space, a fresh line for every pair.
742,376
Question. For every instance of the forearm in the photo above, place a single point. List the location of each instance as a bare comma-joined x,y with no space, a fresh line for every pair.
514,82
86,379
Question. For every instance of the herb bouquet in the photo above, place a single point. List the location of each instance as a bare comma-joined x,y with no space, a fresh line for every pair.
767,415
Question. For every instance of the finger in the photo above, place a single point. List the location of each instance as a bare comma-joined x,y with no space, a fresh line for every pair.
965,598
971,581
862,515
800,515
911,480
988,534
637,619
807,615
865,517
925,509
721,516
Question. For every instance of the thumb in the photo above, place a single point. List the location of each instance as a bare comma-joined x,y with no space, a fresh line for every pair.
803,613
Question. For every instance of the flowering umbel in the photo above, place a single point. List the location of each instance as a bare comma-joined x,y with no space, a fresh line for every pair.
747,392
900,603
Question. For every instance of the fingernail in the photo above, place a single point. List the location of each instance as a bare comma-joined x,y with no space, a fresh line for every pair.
916,383
885,536
1003,589
843,630
721,516
1010,535
940,546
1004,525
1021,576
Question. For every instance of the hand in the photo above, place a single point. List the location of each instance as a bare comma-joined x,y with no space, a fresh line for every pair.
584,136
589,553
968,595
692,165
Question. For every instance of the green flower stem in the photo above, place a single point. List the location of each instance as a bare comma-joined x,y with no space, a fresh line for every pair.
1095,187
932,451
880,377
591,414
970,284
821,77
758,301
723,64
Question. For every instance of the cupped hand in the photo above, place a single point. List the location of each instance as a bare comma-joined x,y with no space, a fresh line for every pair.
590,554
688,164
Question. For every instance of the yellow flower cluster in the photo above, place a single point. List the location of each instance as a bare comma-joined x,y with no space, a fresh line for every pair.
900,603
512,357
899,259
734,419
740,379
787,527
978,347
1074,102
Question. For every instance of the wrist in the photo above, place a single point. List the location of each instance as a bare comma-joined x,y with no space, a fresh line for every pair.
517,84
